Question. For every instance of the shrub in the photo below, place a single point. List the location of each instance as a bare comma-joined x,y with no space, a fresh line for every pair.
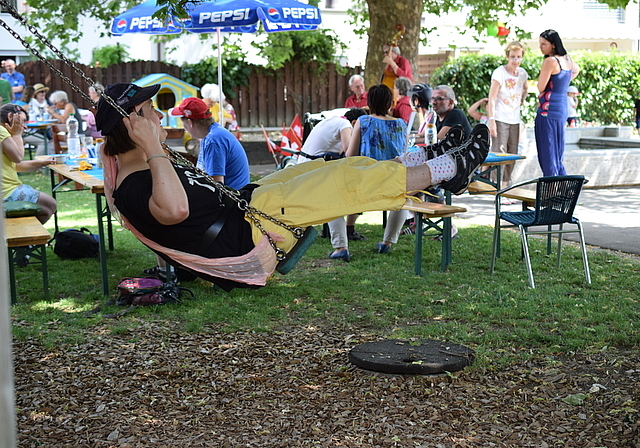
110,55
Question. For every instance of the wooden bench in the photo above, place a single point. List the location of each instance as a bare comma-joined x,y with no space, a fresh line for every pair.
27,236
527,197
435,216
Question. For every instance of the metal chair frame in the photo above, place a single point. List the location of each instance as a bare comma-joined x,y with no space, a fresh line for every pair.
556,198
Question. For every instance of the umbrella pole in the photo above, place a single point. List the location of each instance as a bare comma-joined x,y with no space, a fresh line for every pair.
220,78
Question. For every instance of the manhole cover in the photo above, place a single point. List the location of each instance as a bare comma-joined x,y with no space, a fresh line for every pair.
402,356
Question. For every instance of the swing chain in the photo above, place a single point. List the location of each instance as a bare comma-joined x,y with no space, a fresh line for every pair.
16,15
251,212
243,205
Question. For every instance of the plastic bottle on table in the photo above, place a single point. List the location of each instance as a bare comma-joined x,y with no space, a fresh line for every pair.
99,142
430,136
73,140
88,147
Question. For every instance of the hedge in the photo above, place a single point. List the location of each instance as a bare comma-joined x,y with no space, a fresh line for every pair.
608,82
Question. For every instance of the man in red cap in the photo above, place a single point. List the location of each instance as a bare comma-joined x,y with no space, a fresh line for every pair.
221,155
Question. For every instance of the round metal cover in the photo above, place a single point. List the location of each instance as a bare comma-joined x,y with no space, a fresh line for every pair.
402,356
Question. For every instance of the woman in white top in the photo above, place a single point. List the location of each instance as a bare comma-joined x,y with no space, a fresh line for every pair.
508,92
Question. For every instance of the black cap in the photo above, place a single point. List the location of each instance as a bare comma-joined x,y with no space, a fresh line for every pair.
127,96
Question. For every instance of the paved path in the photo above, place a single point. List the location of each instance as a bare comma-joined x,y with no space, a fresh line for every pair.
610,216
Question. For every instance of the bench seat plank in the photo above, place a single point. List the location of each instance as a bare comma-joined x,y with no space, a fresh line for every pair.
26,231
519,194
27,236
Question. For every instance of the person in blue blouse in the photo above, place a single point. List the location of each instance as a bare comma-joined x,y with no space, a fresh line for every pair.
378,135
381,137
15,78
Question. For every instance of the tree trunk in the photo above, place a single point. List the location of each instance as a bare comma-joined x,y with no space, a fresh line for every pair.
384,15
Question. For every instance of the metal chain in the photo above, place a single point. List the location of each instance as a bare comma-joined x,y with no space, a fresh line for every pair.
243,205
16,15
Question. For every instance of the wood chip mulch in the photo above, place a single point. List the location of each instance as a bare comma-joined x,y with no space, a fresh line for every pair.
162,387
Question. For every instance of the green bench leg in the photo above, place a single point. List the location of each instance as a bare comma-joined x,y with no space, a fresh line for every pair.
446,257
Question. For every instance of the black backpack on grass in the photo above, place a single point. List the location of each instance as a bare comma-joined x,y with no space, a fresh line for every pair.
75,244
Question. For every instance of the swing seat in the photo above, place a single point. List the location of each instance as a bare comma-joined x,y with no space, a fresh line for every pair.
298,250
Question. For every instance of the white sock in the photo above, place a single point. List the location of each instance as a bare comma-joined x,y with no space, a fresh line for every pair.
413,158
442,168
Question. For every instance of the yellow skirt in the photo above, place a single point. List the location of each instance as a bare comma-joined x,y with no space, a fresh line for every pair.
316,192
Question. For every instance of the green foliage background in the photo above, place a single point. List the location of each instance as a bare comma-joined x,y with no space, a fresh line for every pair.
234,68
608,82
320,46
110,55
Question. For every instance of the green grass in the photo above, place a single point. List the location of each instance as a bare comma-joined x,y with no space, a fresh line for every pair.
498,315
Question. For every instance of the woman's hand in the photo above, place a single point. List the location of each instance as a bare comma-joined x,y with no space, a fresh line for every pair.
144,133
15,126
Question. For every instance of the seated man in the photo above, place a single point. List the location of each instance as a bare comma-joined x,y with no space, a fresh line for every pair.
12,119
359,97
332,136
444,105
234,241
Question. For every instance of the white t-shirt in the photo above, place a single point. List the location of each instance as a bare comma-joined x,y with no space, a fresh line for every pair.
325,137
509,99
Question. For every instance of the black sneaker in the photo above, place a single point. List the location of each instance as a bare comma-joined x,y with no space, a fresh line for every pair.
453,139
468,157
22,256
355,236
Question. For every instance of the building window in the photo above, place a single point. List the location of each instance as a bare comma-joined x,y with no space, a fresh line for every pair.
13,3
599,11
328,4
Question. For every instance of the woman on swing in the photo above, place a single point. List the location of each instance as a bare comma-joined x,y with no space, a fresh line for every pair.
185,217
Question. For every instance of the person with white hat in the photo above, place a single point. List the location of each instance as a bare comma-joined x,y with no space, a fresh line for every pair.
572,106
39,100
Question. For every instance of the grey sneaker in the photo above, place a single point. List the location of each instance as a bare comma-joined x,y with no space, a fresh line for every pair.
468,157
453,138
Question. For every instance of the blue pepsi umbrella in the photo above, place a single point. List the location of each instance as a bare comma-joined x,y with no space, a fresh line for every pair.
234,16
243,16
139,19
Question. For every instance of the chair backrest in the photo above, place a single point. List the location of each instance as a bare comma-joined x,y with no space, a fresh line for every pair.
410,122
556,199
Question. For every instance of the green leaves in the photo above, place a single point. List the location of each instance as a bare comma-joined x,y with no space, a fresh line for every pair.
236,69
110,55
322,46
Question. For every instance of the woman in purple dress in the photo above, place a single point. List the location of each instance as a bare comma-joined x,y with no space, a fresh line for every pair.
557,71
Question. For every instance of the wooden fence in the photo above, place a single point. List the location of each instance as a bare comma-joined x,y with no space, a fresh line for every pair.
38,71
270,98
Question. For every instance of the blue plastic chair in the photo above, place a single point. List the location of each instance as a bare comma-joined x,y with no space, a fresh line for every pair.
556,199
